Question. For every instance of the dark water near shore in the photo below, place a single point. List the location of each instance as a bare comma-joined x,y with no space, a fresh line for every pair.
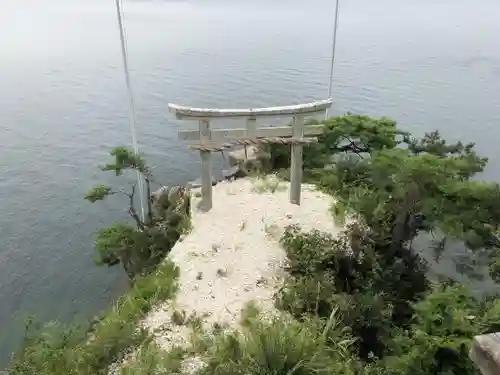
428,64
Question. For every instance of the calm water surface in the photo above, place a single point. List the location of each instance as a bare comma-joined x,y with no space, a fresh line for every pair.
428,64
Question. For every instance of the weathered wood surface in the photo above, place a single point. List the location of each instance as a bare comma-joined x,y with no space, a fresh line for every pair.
218,135
251,134
485,352
206,169
296,162
183,112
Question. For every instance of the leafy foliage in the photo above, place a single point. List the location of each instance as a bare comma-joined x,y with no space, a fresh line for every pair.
394,187
139,249
344,134
401,185
401,322
371,286
98,193
126,159
439,337
58,350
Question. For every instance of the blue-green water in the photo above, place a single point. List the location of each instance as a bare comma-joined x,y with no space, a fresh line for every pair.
428,64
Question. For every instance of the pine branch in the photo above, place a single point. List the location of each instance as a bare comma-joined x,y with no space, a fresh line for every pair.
131,207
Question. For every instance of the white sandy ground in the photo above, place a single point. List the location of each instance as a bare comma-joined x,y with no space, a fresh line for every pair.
233,256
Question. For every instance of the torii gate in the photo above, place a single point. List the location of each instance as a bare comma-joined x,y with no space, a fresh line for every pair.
221,139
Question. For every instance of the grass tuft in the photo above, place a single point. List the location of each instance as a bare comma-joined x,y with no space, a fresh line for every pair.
150,359
282,346
249,313
268,183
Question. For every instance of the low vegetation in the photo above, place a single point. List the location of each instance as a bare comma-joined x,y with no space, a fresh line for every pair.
401,322
150,359
361,303
56,350
280,346
396,188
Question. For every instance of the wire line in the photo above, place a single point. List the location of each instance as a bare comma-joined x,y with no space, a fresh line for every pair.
132,112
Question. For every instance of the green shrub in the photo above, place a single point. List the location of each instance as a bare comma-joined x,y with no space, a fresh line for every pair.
56,350
401,325
490,321
307,294
440,335
50,352
140,248
373,288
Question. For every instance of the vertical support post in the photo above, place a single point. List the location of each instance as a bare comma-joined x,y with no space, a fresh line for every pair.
251,129
296,162
206,168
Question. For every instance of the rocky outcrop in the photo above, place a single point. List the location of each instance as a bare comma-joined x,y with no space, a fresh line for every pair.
239,156
173,198
243,162
485,352
233,173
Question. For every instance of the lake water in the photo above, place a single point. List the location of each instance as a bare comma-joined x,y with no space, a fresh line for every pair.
427,63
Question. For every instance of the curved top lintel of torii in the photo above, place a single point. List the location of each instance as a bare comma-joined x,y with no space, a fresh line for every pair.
190,113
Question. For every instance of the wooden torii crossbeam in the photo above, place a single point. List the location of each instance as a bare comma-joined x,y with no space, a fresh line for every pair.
220,139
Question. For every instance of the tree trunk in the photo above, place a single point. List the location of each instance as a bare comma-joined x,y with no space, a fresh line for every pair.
404,228
399,231
127,265
150,208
